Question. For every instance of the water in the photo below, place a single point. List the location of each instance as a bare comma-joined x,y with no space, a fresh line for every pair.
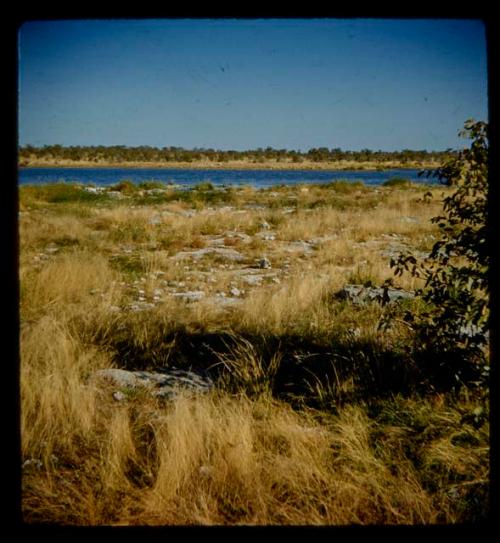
191,177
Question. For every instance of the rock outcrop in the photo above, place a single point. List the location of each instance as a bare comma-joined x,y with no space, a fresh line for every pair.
159,384
360,294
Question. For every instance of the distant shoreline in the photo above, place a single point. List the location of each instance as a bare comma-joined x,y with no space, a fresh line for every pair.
234,165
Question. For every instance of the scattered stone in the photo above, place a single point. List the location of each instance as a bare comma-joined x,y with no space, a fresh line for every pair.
392,236
244,238
393,250
141,306
323,239
32,462
155,221
299,246
190,296
235,292
155,191
226,301
264,264
221,252
265,225
94,190
220,241
371,243
216,242
360,295
115,194
176,284
252,280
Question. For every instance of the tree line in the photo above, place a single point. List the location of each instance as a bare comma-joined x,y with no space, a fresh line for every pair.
145,153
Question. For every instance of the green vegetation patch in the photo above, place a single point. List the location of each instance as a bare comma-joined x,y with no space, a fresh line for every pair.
399,182
149,185
58,193
131,265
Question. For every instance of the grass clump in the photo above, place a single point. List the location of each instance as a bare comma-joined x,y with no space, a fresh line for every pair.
397,182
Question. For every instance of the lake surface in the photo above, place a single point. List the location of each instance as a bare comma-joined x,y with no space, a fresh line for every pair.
188,177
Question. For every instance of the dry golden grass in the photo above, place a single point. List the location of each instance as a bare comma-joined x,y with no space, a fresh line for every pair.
217,459
225,457
74,282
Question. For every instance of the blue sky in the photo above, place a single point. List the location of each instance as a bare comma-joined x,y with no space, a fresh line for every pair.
242,84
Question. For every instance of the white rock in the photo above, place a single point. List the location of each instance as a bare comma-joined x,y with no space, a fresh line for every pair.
223,252
159,384
115,194
252,279
119,396
235,291
190,296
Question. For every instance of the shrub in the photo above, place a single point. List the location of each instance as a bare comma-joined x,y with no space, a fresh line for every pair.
204,185
125,186
148,185
456,288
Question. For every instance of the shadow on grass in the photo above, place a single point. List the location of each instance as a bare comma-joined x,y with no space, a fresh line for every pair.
315,373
